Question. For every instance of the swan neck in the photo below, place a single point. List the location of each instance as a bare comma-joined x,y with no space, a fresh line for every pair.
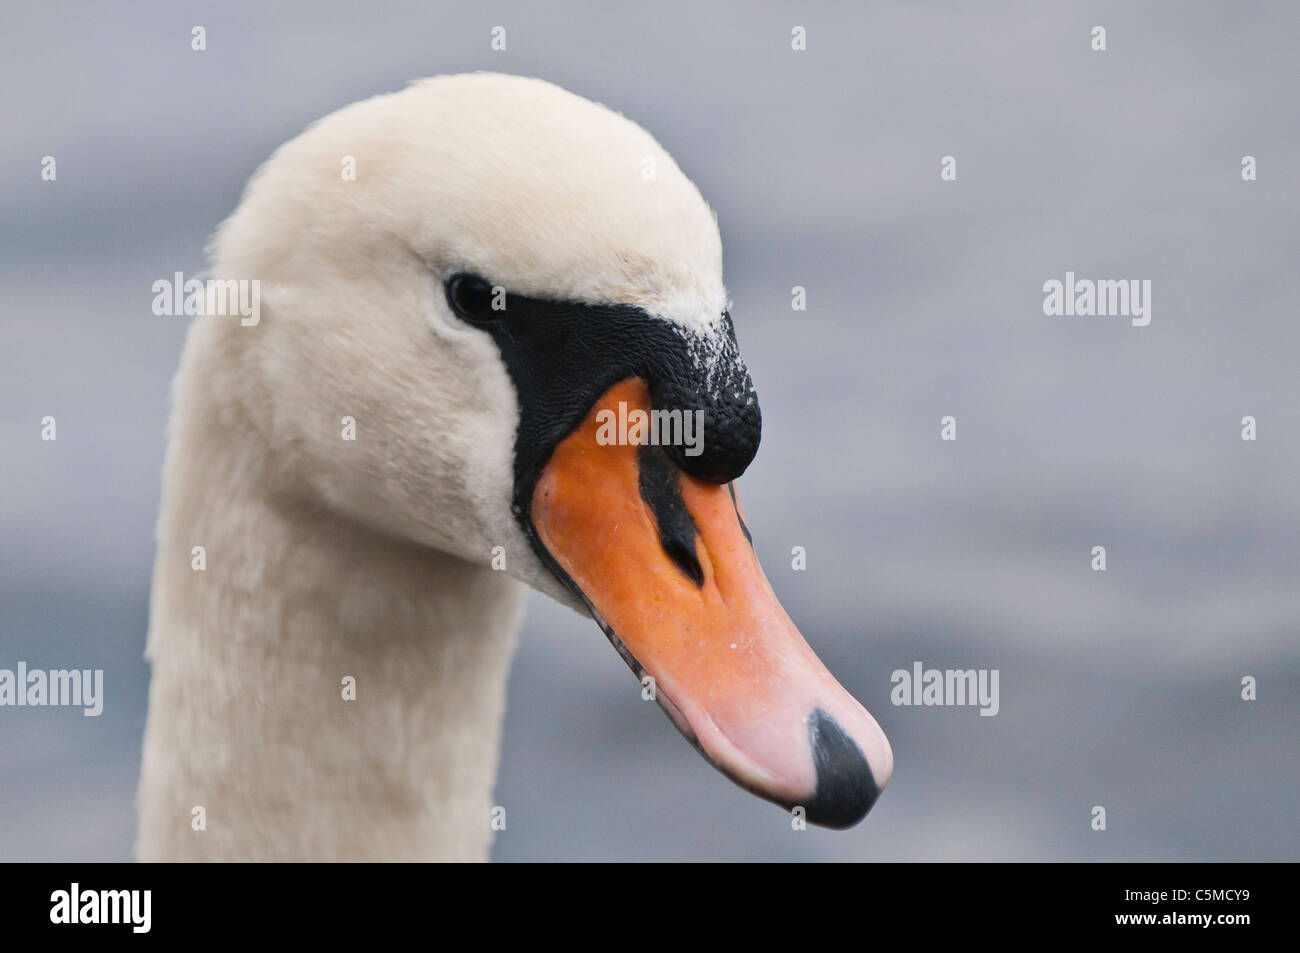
319,691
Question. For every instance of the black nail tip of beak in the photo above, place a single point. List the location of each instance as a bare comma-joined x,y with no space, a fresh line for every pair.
846,788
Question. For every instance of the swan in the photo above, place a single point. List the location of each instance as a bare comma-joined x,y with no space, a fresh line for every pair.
333,613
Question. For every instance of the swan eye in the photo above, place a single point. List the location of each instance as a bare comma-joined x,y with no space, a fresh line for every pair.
472,299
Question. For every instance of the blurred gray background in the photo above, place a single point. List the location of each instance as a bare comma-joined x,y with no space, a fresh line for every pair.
924,299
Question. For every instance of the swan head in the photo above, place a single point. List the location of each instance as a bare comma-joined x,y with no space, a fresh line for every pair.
512,293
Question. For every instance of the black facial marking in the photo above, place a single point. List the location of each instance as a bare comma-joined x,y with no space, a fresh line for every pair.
846,788
658,479
739,519
562,355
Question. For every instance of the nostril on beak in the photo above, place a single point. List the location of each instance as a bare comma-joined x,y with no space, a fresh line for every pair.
846,787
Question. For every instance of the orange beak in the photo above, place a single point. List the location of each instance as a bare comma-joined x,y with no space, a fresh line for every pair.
665,564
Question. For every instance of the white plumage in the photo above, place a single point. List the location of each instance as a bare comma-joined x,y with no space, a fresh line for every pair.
328,558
